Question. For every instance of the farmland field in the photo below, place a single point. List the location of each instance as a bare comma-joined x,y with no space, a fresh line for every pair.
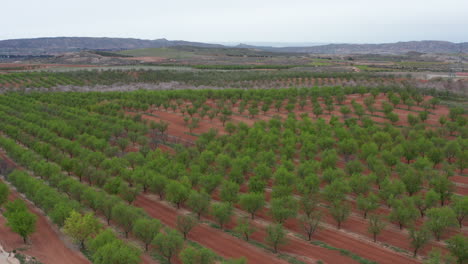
328,173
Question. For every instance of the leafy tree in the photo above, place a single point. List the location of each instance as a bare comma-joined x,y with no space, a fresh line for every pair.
199,202
460,207
104,237
439,219
275,236
458,246
169,243
403,212
106,204
418,239
283,208
185,223
336,191
252,202
158,185
146,229
413,181
229,192
61,212
125,216
443,186
81,227
222,212
361,184
430,200
310,223
4,192
376,225
435,256
367,204
308,203
244,227
191,255
176,193
116,252
348,147
20,220
340,210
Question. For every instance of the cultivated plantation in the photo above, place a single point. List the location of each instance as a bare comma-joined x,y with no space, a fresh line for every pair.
327,173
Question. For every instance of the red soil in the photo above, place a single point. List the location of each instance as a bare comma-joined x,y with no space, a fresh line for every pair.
46,243
220,242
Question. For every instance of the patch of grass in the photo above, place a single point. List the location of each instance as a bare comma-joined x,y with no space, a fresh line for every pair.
344,252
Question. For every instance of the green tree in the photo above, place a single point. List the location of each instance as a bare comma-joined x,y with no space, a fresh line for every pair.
81,227
275,236
116,252
176,193
125,216
191,255
199,202
458,246
403,212
430,200
146,229
229,192
283,208
435,256
185,223
310,223
367,204
340,210
252,202
158,185
439,219
4,192
376,225
222,212
21,221
418,238
169,243
460,207
443,186
244,227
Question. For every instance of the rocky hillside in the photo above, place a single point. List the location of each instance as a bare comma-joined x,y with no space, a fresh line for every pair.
41,46
71,44
428,46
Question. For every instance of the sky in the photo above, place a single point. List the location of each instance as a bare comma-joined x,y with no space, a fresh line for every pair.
311,21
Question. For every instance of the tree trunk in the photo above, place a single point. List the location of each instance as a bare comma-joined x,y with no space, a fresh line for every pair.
146,247
253,216
375,237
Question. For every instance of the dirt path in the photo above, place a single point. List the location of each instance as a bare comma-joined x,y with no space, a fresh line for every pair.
220,242
46,243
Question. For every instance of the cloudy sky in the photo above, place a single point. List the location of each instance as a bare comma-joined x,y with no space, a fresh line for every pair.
324,21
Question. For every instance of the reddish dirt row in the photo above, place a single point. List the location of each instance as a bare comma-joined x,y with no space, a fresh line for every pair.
354,225
45,244
221,243
294,245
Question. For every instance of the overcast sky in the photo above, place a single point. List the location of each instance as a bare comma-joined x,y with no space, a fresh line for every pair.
324,21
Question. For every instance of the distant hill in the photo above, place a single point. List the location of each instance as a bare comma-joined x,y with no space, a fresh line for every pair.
42,46
427,46
71,44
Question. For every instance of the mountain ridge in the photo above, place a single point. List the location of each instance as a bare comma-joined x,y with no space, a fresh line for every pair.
57,45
